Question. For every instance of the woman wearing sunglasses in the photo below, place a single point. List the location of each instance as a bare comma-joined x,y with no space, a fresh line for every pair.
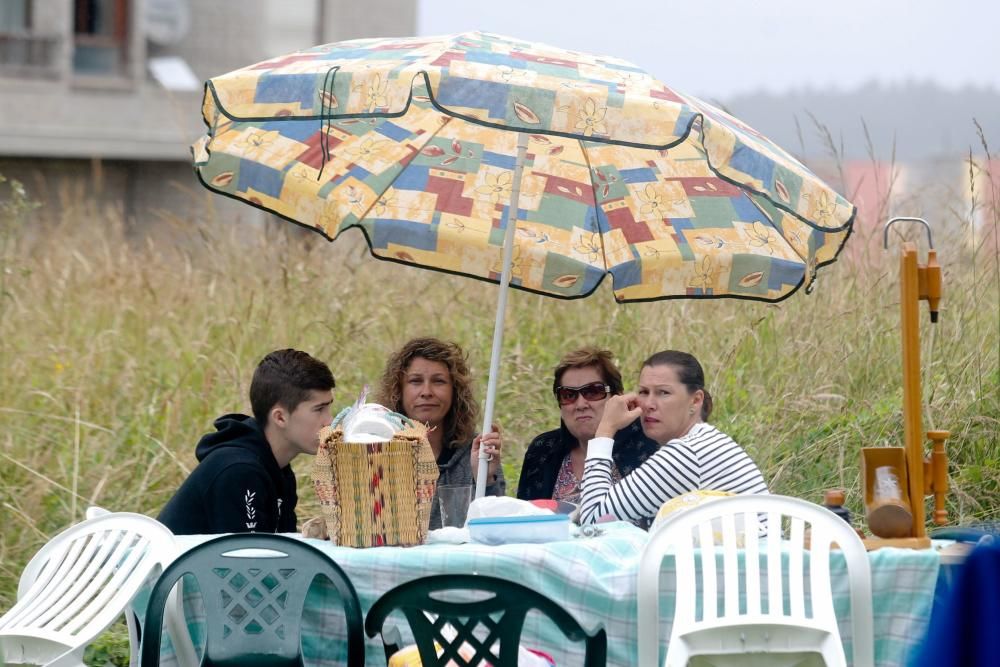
428,380
673,405
553,463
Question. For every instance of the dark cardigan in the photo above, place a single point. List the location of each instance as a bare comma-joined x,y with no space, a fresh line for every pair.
546,452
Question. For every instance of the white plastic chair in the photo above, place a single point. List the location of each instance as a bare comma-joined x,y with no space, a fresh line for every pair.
94,511
750,635
83,580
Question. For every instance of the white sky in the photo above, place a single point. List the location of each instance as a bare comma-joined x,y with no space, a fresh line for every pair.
719,48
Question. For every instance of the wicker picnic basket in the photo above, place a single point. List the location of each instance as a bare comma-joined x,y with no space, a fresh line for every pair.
376,494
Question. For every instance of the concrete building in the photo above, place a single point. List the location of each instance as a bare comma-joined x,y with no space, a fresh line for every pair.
104,96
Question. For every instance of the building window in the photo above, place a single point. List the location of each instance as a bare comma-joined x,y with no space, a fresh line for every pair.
100,37
24,52
14,16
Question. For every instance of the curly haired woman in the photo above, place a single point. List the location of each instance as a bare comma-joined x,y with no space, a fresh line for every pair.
428,380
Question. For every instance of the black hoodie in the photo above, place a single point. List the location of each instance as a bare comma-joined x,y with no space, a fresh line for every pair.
237,486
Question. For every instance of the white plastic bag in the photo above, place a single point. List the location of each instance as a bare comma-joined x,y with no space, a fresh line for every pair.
502,506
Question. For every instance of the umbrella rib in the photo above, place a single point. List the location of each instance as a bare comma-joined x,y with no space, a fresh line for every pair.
747,188
808,275
774,226
597,222
430,135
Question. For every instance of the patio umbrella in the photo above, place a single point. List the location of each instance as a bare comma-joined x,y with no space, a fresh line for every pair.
522,164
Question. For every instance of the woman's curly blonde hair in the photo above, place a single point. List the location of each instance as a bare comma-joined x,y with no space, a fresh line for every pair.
460,422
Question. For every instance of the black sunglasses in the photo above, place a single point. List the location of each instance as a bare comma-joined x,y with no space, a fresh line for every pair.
595,391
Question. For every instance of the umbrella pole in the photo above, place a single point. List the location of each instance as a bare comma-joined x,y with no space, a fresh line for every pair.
508,254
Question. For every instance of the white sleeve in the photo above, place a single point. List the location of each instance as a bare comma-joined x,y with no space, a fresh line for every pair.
600,448
670,472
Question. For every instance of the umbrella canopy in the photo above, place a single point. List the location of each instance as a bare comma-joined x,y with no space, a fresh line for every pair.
408,139
431,146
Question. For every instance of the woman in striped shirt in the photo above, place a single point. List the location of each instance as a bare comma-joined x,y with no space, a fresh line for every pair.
673,404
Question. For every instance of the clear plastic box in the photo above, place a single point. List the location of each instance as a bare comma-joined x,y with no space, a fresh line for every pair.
519,529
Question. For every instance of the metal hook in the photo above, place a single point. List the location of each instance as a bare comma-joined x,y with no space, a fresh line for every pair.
885,231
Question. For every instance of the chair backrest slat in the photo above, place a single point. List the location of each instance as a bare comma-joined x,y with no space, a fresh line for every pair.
751,557
709,585
730,566
687,584
775,587
819,574
796,553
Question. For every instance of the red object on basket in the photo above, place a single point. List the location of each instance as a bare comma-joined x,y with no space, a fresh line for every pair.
544,503
557,506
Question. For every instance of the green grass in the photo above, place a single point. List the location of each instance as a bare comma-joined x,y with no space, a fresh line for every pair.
116,354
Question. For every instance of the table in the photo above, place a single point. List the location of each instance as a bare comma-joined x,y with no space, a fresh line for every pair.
594,579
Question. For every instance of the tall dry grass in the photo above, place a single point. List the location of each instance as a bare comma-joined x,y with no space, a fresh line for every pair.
116,354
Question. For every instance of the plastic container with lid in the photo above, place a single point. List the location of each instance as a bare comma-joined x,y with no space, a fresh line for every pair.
519,529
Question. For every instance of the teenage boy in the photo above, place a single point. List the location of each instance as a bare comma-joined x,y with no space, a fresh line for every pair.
243,482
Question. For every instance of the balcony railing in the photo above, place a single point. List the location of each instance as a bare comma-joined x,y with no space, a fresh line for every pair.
30,55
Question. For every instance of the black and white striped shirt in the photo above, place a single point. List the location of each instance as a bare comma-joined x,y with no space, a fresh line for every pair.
703,459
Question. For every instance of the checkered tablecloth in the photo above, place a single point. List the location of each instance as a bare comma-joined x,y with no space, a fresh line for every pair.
594,579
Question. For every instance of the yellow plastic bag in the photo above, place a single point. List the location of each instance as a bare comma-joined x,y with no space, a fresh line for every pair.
409,656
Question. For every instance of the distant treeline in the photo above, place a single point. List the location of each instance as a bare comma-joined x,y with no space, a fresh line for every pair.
925,120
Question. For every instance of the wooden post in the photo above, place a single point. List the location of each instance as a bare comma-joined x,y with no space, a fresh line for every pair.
939,475
912,431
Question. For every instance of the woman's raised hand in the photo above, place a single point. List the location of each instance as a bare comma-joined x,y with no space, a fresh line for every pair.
619,412
491,443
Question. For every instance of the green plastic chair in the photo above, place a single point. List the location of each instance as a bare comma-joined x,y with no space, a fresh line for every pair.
502,615
253,600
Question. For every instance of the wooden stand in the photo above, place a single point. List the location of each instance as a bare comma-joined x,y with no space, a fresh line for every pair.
917,477
887,517
873,543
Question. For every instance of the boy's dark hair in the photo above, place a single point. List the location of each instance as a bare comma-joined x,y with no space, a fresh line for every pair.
286,377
